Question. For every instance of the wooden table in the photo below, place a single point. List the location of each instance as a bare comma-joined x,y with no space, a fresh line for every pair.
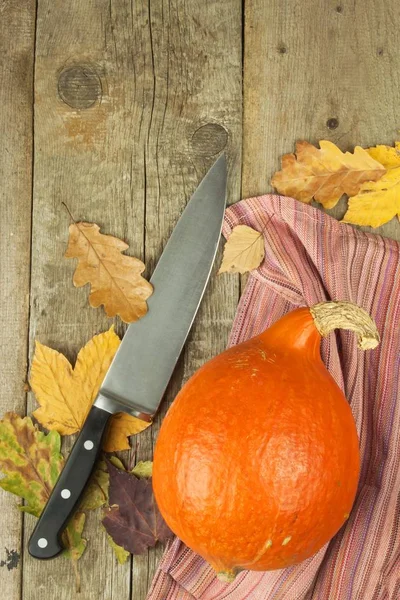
117,108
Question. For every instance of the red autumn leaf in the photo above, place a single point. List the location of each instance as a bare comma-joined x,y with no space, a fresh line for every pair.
133,519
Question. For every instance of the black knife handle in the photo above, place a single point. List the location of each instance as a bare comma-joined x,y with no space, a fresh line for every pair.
45,541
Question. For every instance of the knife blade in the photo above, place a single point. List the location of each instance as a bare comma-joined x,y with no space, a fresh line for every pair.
142,367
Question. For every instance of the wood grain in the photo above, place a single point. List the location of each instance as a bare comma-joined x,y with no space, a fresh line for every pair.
16,88
86,155
318,70
133,103
195,114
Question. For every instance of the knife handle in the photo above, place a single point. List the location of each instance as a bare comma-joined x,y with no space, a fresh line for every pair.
45,541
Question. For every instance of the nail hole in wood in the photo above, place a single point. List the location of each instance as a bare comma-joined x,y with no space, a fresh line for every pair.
332,123
380,51
209,139
339,9
282,49
79,86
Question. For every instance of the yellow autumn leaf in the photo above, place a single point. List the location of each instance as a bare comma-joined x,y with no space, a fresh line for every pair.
325,174
123,425
243,251
378,202
115,278
65,395
388,156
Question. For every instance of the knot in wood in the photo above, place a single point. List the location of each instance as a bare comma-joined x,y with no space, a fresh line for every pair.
332,123
209,139
79,86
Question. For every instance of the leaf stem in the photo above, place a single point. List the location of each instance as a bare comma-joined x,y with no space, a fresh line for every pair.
69,212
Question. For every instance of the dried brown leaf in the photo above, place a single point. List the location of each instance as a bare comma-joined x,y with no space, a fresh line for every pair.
243,251
325,174
115,278
378,202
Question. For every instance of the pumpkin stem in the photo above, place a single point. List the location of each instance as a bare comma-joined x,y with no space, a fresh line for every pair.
346,315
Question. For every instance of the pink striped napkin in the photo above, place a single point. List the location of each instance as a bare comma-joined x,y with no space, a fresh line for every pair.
310,257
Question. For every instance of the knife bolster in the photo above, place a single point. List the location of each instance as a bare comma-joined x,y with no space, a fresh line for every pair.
112,405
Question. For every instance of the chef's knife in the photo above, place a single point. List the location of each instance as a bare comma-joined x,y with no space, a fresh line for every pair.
140,371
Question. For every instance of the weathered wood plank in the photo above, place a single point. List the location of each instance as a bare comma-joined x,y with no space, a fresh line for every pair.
193,54
17,36
317,70
88,154
170,85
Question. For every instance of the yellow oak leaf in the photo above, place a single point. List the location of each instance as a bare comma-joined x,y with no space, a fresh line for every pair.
115,279
243,251
388,156
378,202
325,174
65,395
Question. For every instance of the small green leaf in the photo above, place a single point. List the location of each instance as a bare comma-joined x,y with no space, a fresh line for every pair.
72,537
96,493
120,553
143,469
117,462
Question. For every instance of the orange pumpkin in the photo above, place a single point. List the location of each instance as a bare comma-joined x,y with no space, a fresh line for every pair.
257,461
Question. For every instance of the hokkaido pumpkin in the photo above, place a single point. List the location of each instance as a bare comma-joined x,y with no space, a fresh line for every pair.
257,461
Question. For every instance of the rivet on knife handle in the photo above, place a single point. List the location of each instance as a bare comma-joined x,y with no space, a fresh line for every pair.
45,541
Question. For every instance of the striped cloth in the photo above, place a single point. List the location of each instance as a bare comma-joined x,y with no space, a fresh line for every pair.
310,257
